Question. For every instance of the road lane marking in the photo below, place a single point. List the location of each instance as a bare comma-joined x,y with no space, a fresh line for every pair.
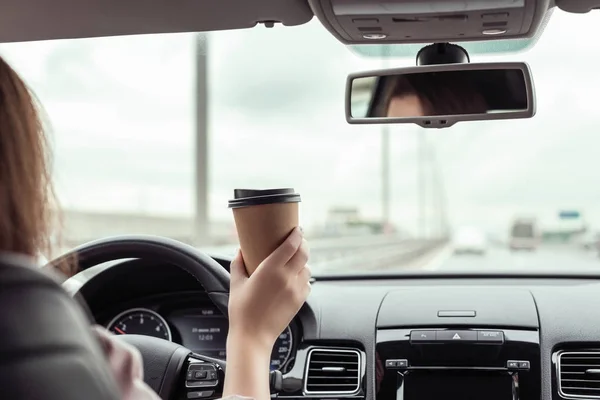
438,259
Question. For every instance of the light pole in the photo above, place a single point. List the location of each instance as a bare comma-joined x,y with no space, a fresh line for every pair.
385,159
421,182
200,231
385,173
438,184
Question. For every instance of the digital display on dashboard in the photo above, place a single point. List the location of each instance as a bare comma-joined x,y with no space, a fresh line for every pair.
456,385
203,330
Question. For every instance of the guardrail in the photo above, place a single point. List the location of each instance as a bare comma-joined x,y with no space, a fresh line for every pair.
378,258
357,252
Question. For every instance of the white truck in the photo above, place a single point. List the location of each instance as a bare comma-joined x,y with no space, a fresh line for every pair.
524,235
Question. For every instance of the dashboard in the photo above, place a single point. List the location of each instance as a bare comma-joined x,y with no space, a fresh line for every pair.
389,338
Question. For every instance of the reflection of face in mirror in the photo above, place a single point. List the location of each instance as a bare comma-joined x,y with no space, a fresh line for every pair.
405,106
419,95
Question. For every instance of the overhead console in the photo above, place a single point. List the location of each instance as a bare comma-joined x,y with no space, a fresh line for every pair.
458,343
419,21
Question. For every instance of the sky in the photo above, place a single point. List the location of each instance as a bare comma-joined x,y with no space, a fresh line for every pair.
121,112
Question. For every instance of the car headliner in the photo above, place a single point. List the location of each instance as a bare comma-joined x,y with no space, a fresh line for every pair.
31,20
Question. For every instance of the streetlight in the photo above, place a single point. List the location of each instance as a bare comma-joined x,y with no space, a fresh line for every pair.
201,135
385,158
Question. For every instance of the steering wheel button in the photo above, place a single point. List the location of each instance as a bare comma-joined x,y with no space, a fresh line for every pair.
200,374
200,394
212,375
199,384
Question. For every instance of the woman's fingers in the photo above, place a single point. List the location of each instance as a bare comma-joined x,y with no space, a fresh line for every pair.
304,282
299,260
305,273
237,269
284,253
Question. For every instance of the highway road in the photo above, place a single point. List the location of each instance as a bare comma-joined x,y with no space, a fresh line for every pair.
549,257
498,259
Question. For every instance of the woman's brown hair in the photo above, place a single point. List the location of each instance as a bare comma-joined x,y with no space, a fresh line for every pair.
28,210
439,94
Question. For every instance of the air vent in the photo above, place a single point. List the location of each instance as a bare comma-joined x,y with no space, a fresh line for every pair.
332,372
579,374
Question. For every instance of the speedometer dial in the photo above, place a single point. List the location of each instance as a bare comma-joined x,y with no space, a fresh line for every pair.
282,350
140,321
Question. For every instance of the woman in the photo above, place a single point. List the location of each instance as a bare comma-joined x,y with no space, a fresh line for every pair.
260,306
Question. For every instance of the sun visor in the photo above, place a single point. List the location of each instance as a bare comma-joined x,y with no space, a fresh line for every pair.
66,19
419,21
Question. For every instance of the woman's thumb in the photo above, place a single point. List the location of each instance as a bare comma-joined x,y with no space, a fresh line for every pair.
237,269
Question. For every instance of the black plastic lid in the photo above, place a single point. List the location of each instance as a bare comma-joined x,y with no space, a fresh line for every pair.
253,197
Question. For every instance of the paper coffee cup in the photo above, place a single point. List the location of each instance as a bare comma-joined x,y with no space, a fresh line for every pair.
263,219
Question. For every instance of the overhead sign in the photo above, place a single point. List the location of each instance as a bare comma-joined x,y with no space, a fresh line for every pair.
569,214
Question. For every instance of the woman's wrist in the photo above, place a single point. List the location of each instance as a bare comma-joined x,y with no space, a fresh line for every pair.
244,339
250,343
247,367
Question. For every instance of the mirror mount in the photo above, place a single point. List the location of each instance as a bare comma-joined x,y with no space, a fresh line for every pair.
442,53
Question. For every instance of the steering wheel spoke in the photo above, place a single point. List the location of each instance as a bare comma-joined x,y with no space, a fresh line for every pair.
174,372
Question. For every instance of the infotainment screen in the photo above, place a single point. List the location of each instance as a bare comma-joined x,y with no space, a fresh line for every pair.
455,385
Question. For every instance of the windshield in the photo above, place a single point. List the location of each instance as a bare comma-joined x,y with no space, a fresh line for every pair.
151,134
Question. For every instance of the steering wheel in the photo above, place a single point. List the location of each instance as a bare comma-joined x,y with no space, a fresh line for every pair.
169,369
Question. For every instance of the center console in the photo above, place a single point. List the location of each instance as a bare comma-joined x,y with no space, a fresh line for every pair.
465,364
456,345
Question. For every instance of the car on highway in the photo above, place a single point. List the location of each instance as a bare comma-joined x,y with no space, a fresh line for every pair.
479,111
524,235
590,240
470,240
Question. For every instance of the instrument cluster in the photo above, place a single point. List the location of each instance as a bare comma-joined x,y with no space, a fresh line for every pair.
201,329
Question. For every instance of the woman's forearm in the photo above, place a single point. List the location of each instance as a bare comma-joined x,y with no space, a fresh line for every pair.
247,371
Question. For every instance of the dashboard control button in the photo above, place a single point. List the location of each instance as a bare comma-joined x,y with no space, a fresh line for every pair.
510,364
401,363
423,336
524,365
457,336
490,336
200,394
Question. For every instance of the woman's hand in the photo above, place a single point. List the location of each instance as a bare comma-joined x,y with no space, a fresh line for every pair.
260,308
125,362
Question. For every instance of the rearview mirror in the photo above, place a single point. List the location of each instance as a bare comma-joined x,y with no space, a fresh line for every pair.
438,96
